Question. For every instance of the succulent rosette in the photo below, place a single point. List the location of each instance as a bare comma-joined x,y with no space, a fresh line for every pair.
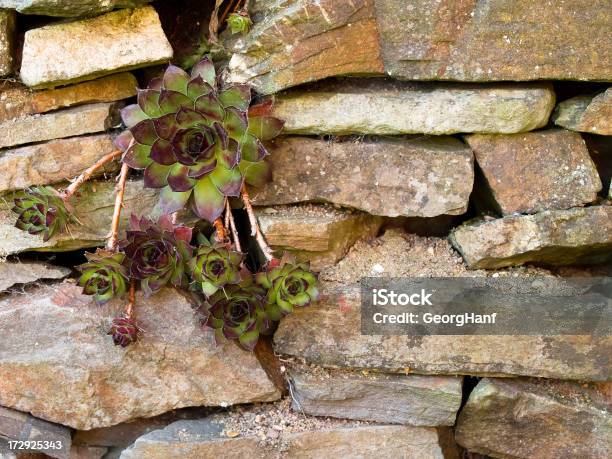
288,286
41,210
157,253
104,276
237,313
215,265
195,141
124,331
239,22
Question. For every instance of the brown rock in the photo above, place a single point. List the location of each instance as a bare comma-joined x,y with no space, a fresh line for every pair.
25,272
93,208
7,38
15,425
52,162
536,171
16,102
86,119
592,114
68,52
70,372
387,398
391,177
534,418
317,233
555,237
87,452
68,8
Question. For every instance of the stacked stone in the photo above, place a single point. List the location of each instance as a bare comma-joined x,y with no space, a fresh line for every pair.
393,110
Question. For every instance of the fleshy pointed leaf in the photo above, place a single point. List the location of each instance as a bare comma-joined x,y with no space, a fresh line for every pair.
256,174
144,132
200,169
208,202
138,156
163,153
148,100
198,87
227,181
172,101
132,115
210,107
206,70
252,149
176,79
230,157
178,178
156,175
156,83
187,118
166,126
124,140
238,96
265,127
235,122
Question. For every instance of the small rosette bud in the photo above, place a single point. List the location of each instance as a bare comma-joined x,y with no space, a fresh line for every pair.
124,331
239,22
215,265
41,210
103,276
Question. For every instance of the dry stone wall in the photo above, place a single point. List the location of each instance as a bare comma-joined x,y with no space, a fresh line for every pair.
487,122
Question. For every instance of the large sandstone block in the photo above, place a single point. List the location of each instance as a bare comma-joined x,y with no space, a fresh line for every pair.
85,119
51,162
592,114
555,237
69,52
421,177
68,370
7,39
388,398
93,208
25,272
300,40
536,171
531,418
203,439
68,8
18,101
319,234
376,106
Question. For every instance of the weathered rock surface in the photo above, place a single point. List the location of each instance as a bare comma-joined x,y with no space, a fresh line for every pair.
16,425
71,373
65,53
301,40
87,452
375,106
391,177
51,162
536,171
93,208
555,237
25,272
386,398
16,102
317,233
530,418
86,119
70,8
7,31
586,113
202,439
600,149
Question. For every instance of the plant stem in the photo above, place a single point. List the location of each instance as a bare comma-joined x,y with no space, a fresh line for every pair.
111,244
129,309
255,231
221,233
232,225
87,173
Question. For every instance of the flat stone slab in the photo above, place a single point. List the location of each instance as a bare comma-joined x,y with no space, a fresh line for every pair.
375,106
7,39
290,44
421,177
320,234
68,8
69,52
387,398
204,439
555,237
86,119
19,426
530,418
70,372
52,162
536,171
591,114
19,101
25,272
93,208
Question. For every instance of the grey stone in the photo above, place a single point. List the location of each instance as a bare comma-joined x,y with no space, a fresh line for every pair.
70,372
592,114
69,52
387,398
536,171
374,106
7,40
390,177
53,161
85,119
536,418
25,272
555,237
68,8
